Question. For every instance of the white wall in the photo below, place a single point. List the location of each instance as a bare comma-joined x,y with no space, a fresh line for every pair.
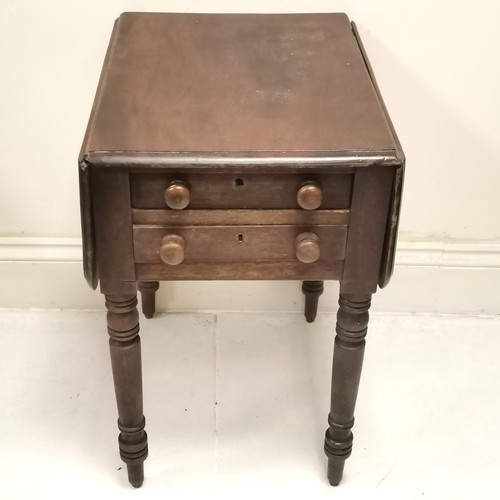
437,64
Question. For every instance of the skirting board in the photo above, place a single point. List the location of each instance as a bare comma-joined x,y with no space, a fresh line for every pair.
434,277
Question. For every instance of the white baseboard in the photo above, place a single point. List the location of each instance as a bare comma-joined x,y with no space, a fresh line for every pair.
443,277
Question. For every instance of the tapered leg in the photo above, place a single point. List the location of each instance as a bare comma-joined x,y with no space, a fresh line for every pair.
148,290
125,348
352,322
312,290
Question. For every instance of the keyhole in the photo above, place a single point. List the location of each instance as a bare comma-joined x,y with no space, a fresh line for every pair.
239,182
240,238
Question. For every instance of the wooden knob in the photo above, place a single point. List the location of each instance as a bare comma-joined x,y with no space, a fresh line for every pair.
172,249
309,196
307,248
177,195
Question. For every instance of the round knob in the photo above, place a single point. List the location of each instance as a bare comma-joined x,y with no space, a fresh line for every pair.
177,195
309,196
307,248
172,249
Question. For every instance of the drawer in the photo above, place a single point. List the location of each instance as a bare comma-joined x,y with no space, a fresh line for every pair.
241,243
242,191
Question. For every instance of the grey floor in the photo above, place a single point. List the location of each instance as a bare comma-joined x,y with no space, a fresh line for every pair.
236,407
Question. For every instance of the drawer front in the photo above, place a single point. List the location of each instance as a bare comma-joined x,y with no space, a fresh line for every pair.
232,244
252,191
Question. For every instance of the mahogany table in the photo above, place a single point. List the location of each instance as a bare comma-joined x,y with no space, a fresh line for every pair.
227,147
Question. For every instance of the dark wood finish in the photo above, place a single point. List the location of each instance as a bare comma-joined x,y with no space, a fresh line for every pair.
238,243
113,226
125,349
312,290
272,270
238,147
365,242
90,269
148,291
240,217
249,161
241,190
389,252
202,82
352,323
391,231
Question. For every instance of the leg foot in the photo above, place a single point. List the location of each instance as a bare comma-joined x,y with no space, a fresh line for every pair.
352,323
136,474
148,291
312,290
335,471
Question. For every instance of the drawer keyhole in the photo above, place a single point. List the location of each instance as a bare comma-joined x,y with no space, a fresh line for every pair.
239,182
240,238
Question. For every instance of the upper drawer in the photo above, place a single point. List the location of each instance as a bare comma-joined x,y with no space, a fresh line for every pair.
251,191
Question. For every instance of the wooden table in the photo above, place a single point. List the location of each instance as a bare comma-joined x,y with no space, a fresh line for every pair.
238,147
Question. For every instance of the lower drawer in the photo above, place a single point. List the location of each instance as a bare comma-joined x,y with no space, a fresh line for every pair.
243,243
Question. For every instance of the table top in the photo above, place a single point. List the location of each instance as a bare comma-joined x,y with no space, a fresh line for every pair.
281,85
237,92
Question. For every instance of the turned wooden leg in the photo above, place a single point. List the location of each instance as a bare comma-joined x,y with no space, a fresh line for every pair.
352,322
312,290
125,348
148,290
